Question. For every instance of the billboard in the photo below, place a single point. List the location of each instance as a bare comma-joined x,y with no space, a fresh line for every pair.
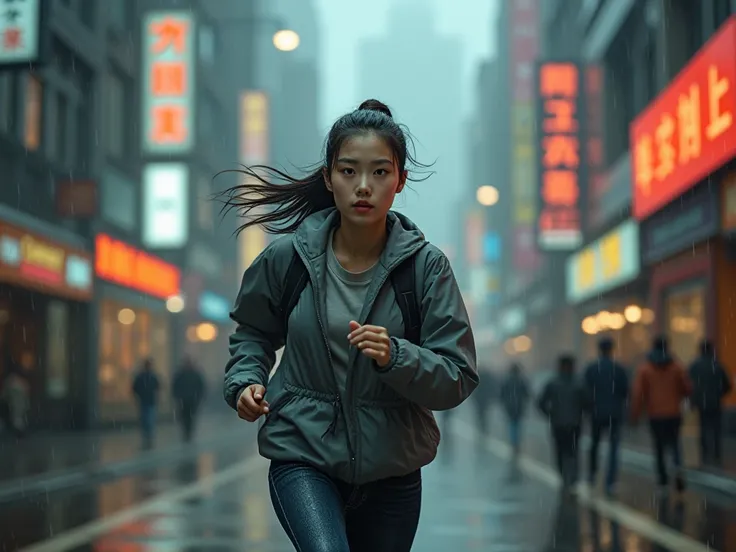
168,96
20,32
561,162
165,205
688,131
524,49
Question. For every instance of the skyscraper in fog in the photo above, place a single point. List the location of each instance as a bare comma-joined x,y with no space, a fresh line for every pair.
418,72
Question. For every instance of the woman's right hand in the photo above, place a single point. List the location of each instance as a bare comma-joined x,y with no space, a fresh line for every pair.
251,404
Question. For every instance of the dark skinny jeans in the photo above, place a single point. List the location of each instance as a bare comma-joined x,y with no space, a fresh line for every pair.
322,514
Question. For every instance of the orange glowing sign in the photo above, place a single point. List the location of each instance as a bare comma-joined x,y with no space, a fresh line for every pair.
688,131
123,264
168,94
560,155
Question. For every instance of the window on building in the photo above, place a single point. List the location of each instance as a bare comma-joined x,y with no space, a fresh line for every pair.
721,11
83,139
62,126
209,120
56,142
618,100
207,44
115,116
51,141
128,334
33,113
120,14
8,102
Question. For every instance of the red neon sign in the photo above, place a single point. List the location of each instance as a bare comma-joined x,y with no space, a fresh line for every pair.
688,130
127,266
559,218
168,80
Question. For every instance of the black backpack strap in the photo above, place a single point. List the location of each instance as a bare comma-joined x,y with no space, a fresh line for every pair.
294,283
403,279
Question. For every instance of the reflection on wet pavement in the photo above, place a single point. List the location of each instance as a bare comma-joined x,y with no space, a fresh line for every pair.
472,501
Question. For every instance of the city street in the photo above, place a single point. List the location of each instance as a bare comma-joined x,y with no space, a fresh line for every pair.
474,499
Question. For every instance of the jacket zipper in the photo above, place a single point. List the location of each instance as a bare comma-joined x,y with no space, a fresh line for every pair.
351,386
337,405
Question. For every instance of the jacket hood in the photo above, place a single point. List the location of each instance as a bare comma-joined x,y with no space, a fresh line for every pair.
404,236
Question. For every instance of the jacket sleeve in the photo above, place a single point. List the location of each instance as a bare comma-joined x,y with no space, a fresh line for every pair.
259,332
440,373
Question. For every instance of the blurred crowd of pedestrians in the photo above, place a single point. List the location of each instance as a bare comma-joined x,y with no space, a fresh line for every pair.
603,398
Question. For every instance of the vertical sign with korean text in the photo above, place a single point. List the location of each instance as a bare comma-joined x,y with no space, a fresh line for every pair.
688,131
524,48
20,31
168,82
561,165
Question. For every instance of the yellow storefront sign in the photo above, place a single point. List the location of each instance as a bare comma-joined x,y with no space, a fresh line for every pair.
605,264
42,254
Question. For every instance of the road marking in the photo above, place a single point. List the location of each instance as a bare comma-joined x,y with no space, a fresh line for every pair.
611,509
85,533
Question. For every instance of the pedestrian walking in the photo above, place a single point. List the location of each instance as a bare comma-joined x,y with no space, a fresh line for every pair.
607,385
146,388
188,391
563,401
515,396
711,383
660,387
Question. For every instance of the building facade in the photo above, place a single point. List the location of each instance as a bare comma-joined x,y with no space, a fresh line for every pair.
109,139
657,256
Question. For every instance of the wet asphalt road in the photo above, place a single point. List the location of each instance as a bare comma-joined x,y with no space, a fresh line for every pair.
473,500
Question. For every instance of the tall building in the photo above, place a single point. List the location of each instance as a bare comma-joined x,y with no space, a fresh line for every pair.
418,72
69,160
657,251
110,252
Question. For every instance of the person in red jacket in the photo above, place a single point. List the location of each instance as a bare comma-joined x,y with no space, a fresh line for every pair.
660,386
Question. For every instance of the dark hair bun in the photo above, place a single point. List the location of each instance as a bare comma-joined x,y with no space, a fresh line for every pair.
375,105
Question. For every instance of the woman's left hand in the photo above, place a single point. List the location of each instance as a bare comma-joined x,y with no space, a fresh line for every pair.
373,341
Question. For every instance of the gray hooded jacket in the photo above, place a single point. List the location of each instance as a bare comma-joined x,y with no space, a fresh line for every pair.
381,425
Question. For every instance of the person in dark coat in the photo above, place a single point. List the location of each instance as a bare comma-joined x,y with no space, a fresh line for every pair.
607,385
514,396
711,383
483,398
146,388
188,390
563,401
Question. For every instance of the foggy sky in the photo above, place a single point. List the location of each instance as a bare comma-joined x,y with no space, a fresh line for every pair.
346,24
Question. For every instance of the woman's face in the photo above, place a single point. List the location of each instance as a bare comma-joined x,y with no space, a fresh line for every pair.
365,179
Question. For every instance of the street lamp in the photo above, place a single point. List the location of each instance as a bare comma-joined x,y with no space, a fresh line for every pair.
487,196
286,40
